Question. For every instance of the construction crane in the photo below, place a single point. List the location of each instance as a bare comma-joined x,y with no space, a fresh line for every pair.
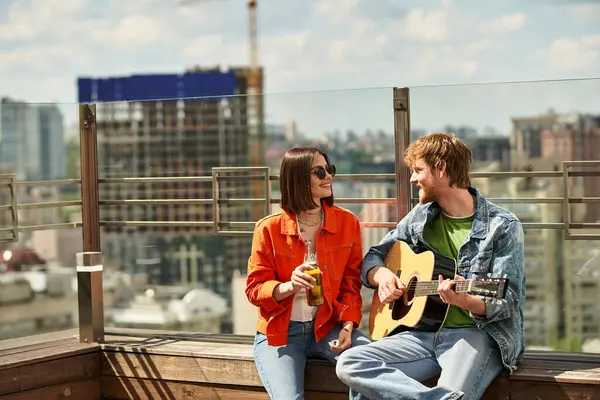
252,34
255,105
254,78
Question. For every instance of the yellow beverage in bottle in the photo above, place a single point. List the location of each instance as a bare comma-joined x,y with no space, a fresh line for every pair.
315,296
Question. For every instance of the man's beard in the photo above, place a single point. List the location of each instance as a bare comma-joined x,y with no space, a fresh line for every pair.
426,196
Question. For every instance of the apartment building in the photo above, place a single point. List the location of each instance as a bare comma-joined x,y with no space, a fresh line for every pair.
542,267
559,137
32,140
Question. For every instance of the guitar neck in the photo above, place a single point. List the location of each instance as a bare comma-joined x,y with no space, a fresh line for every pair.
427,288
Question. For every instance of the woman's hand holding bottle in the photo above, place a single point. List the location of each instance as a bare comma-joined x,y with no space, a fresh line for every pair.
301,280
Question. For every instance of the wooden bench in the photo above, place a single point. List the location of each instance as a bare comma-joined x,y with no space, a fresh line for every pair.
135,364
196,369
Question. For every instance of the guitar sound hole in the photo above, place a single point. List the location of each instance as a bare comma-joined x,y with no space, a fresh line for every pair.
403,304
409,295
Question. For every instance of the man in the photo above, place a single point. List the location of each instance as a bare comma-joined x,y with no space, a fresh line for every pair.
478,338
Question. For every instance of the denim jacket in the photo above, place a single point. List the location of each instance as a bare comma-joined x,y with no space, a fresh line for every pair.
494,245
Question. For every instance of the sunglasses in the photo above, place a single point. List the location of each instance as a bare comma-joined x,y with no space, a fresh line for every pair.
321,172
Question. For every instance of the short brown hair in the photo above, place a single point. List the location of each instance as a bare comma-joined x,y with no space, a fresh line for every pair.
439,149
294,179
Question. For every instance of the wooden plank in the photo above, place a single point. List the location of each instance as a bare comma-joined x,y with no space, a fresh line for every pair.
187,369
577,375
88,389
122,388
530,370
49,373
121,333
34,347
320,375
537,366
186,349
66,349
521,390
33,340
559,365
114,388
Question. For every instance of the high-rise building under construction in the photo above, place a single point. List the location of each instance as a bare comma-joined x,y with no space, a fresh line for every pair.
175,126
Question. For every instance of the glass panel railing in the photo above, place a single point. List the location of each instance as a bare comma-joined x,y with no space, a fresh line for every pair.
514,128
40,216
165,265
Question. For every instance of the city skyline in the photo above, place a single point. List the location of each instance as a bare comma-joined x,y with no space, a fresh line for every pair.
433,108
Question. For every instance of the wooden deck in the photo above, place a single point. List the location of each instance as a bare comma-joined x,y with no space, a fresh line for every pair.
135,364
49,366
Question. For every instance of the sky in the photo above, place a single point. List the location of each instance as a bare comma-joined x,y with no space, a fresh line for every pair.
329,64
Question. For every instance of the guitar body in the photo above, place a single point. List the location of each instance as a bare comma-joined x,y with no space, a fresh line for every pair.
426,313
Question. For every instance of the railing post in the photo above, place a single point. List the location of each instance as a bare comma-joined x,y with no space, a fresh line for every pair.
89,263
401,142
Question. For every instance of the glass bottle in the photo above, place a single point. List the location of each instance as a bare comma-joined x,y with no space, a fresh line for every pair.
314,296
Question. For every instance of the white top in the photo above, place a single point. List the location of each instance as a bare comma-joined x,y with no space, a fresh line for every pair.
301,311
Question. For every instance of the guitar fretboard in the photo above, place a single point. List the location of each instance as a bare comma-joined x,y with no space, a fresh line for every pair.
426,288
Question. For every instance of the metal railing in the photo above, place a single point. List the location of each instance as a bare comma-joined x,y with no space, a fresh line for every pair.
9,181
568,225
89,268
215,179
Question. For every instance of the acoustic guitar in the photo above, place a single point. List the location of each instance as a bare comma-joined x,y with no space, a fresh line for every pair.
420,308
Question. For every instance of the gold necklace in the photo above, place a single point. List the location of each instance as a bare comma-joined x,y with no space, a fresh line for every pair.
309,224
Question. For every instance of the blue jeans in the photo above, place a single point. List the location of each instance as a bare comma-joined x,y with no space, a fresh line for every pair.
467,359
281,368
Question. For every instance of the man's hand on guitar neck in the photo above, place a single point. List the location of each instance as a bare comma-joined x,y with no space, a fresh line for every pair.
463,300
389,286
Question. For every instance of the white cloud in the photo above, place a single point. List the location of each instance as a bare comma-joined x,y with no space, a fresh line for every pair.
445,62
426,26
447,3
120,7
568,54
292,56
41,64
336,11
449,23
476,47
204,47
32,19
130,32
585,11
507,23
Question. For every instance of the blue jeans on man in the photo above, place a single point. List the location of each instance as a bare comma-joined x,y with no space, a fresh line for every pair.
393,367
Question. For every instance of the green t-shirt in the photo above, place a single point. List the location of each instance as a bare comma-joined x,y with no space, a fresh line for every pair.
446,235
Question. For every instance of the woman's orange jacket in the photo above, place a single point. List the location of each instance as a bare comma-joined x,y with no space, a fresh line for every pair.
277,250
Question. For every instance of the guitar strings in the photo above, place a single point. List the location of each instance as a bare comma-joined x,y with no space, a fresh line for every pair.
435,284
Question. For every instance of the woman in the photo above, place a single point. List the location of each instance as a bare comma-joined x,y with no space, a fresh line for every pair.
289,330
